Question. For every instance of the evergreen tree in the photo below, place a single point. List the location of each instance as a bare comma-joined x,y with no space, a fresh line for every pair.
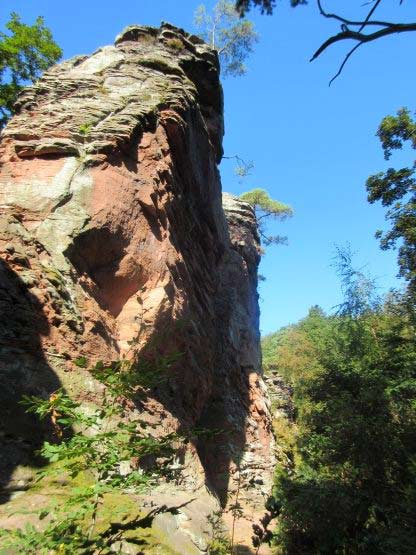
265,208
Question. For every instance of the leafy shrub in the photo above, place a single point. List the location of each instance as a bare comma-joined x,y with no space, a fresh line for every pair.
96,444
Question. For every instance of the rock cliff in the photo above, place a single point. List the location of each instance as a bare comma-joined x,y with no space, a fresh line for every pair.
114,237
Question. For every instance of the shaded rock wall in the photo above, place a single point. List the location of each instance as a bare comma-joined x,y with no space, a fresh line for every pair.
112,231
239,403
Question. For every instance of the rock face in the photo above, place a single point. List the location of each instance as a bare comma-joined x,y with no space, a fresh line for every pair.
113,238
280,395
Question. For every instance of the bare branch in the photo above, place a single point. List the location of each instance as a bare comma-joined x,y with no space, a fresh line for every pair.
363,38
235,157
370,13
347,57
243,168
358,31
354,23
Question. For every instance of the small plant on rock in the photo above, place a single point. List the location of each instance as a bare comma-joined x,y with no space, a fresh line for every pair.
85,129
175,44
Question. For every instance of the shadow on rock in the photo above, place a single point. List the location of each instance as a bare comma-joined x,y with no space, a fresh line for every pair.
23,371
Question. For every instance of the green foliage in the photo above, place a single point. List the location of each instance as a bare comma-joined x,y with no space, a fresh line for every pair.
95,442
220,543
270,345
81,362
396,130
25,52
63,538
243,168
349,486
358,289
266,6
261,201
291,350
232,37
219,546
396,189
85,129
266,207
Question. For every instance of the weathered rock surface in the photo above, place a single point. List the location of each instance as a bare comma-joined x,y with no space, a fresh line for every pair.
113,238
280,395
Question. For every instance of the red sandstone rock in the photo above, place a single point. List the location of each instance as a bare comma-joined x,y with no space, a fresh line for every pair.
112,229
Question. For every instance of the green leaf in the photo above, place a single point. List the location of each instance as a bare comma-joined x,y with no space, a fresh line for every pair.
81,362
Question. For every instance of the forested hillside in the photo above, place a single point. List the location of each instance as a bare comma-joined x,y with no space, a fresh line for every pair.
346,478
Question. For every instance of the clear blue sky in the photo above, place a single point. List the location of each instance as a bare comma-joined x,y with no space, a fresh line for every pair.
313,146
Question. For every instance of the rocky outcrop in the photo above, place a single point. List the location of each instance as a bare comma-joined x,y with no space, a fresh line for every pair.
114,241
238,402
280,394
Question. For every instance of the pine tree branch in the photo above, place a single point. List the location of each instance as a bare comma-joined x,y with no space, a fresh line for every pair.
266,215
